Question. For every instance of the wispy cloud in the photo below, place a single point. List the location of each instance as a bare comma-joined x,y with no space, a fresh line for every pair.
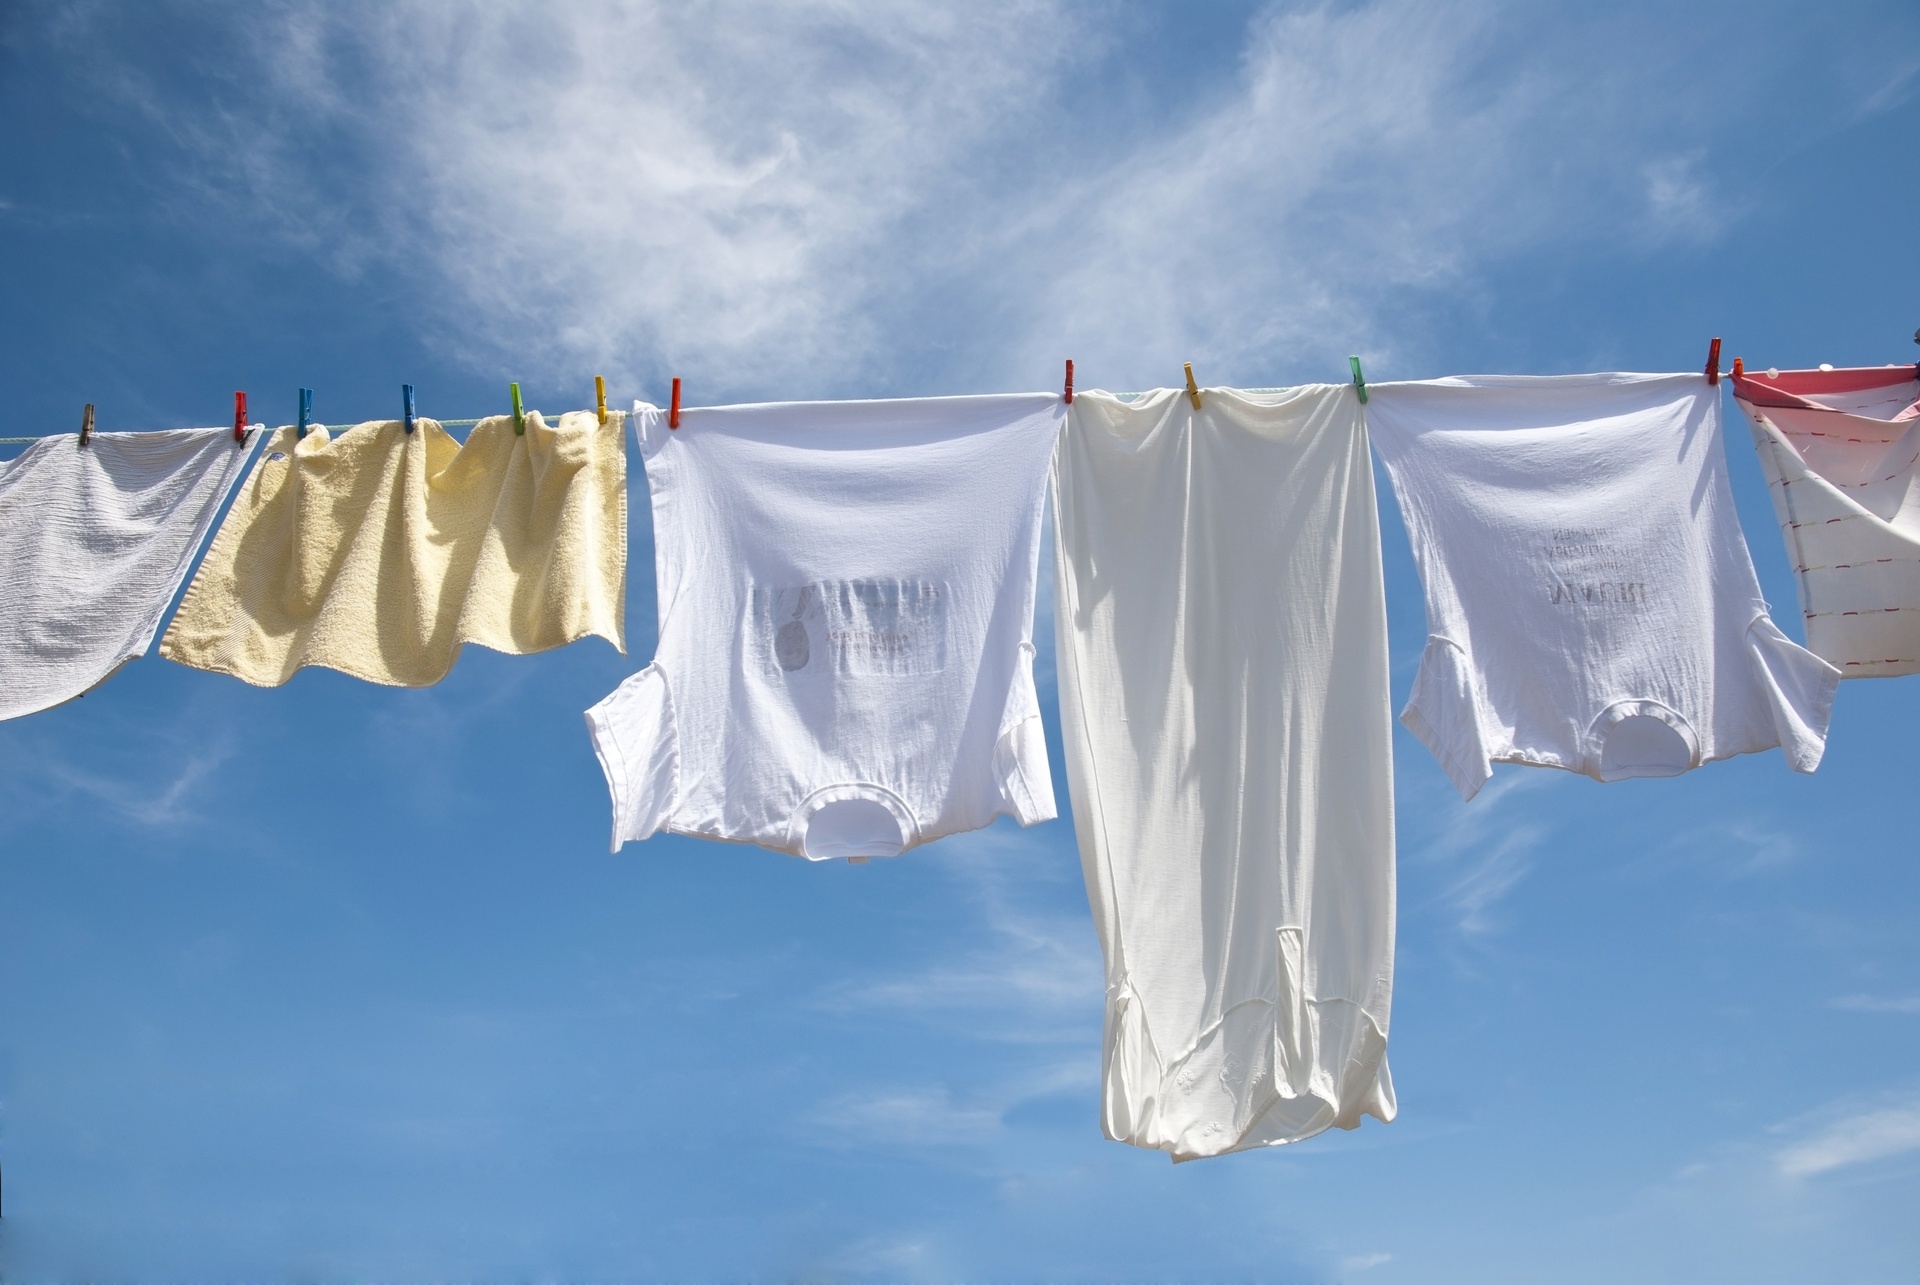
1486,846
1878,1003
812,194
162,788
1036,971
932,1115
1854,1140
1361,1262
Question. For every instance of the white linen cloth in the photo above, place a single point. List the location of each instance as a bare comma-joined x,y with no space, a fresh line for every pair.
845,665
1841,450
1591,604
1222,647
94,541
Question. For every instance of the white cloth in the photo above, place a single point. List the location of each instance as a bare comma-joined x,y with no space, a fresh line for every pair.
1591,604
1222,645
94,541
1841,450
845,665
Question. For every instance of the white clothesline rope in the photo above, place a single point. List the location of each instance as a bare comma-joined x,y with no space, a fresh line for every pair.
469,423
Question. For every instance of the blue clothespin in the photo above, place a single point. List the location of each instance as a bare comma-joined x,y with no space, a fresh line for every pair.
519,415
306,412
1359,380
406,395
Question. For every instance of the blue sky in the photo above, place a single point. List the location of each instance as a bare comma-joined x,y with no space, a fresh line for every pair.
340,982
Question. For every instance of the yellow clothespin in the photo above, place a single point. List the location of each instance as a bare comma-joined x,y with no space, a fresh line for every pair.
600,397
1193,389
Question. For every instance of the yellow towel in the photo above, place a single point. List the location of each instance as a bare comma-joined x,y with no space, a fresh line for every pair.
378,553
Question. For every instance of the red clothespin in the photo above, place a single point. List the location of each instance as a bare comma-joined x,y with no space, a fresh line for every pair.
1713,362
86,425
239,417
1739,368
673,408
1069,381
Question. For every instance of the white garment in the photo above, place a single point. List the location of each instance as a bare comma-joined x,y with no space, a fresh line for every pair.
1222,645
1841,450
845,665
1591,604
94,540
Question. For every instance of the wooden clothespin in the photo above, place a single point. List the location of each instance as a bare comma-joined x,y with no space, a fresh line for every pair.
673,407
600,397
1359,380
239,417
519,414
306,414
1069,392
406,405
1193,389
1713,361
86,425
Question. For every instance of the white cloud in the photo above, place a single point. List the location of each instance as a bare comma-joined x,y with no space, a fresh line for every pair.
1361,1262
826,195
1484,845
932,1115
1854,1140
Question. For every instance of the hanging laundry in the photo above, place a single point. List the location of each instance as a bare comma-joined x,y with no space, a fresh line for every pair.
846,626
1841,451
1591,604
379,553
1222,643
94,541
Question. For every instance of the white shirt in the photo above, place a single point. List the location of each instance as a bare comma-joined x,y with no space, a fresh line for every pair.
846,592
94,541
1841,450
1223,692
1591,604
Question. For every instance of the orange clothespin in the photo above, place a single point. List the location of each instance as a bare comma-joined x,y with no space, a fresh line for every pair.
673,408
1069,393
600,397
1739,368
1193,389
86,425
1713,361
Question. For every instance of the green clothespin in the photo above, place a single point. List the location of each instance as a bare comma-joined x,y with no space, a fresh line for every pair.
1359,380
519,415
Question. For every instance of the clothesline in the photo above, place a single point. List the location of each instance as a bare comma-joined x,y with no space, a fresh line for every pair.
469,423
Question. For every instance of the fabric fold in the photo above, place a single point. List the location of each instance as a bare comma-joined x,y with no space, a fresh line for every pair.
380,553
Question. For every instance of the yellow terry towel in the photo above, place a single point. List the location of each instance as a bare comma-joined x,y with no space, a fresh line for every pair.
379,552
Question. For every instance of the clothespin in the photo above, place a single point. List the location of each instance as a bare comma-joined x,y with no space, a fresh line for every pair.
239,417
306,413
1739,368
600,397
1069,393
86,425
1713,361
673,408
1359,380
1193,389
519,415
406,401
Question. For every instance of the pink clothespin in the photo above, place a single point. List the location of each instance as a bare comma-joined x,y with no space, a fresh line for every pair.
673,408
